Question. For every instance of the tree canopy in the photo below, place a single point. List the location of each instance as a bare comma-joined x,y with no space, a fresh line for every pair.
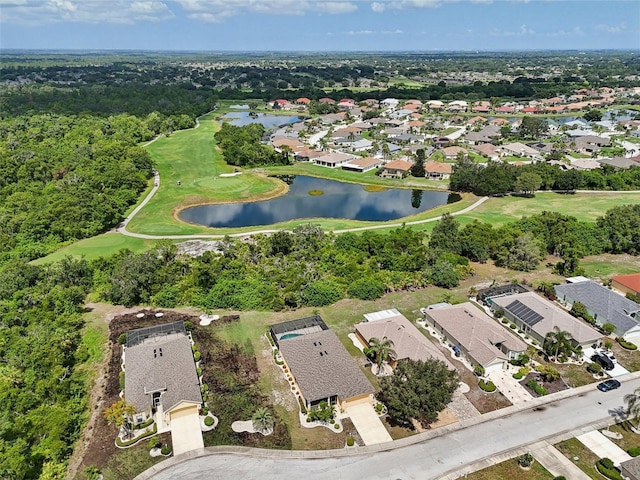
418,390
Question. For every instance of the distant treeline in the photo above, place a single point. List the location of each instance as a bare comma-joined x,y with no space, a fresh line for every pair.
499,178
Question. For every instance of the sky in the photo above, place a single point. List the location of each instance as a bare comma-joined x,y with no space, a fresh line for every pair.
320,25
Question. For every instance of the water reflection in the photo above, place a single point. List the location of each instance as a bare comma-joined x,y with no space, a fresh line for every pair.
339,200
242,118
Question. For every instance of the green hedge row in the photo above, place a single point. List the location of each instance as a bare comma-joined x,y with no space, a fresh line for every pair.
487,386
605,467
128,443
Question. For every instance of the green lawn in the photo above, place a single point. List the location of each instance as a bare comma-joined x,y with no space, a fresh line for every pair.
629,439
510,470
581,456
607,265
103,245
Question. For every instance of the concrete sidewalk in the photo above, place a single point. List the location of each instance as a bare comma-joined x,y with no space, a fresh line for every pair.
368,424
557,464
603,447
509,386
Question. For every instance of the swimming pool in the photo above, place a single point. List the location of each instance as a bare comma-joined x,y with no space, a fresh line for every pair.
289,335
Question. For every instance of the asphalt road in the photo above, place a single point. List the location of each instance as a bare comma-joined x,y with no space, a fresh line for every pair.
430,459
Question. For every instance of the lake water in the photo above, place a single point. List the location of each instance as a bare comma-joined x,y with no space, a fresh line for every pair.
242,118
339,200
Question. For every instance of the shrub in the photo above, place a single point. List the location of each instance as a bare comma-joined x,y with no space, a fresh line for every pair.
525,460
336,426
205,410
128,443
189,326
594,368
197,356
626,345
145,424
536,387
208,421
505,321
517,375
605,467
154,442
512,326
561,477
367,288
350,441
122,338
634,451
275,358
379,407
323,413
521,361
270,338
91,472
608,328
548,372
121,380
487,386
199,371
478,370
204,388
165,450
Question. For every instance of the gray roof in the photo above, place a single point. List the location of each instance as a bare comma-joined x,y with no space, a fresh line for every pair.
611,307
632,467
162,363
408,341
553,317
478,333
322,367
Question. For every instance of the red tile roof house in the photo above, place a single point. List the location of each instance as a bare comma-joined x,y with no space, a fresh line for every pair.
303,101
627,284
281,104
505,109
327,100
408,342
480,338
396,169
438,170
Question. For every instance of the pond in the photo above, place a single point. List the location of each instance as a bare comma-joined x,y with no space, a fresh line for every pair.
242,118
328,199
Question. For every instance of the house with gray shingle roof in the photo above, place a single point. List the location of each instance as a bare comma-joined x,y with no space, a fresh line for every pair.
604,305
322,367
408,341
160,374
536,316
483,340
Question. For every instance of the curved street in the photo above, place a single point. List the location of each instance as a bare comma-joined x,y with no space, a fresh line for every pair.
448,452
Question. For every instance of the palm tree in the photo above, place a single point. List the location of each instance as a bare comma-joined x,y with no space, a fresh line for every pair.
633,406
262,420
557,343
381,349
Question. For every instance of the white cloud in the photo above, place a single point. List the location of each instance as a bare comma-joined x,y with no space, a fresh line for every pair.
218,10
360,32
613,29
378,7
38,12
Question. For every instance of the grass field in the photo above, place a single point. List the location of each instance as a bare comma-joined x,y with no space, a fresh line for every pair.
510,470
581,456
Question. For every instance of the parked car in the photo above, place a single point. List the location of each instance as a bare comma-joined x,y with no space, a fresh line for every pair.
607,353
607,385
604,361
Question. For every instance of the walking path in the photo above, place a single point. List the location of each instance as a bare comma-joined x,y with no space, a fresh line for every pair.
557,464
603,447
509,386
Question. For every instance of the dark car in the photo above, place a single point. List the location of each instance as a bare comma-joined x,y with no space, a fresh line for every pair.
608,385
604,361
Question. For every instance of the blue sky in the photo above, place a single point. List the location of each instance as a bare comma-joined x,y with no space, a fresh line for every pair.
320,25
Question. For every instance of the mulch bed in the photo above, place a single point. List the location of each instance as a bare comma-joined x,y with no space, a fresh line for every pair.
552,387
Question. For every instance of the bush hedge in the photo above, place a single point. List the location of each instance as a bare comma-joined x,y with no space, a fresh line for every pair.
128,443
275,358
605,467
626,345
594,368
350,441
634,451
165,450
303,408
487,386
517,376
208,421
536,387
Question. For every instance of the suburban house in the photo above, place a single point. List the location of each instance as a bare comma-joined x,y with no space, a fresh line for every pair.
604,305
537,316
487,150
451,153
627,284
320,364
396,169
437,170
333,159
630,469
362,164
161,382
480,338
408,341
519,149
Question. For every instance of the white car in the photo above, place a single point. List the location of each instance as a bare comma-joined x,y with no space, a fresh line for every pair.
607,353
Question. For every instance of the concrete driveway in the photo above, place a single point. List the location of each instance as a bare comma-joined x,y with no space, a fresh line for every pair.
186,434
509,386
368,424
603,447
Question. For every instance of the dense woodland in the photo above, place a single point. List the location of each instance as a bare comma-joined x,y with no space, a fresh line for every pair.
243,146
71,164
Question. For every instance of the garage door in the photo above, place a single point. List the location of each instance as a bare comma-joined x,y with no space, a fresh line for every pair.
185,430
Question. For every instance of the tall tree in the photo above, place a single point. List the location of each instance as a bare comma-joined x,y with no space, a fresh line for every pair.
381,349
633,406
557,344
528,183
118,414
418,390
445,234
417,169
